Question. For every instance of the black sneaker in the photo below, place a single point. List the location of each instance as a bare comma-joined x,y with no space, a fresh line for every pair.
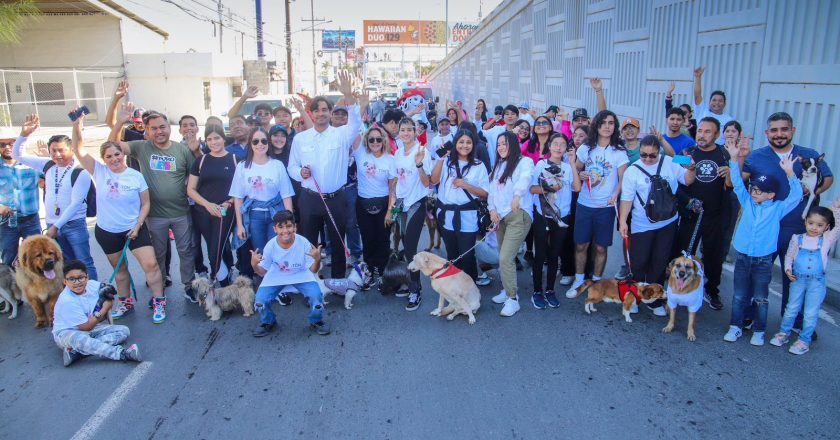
132,353
747,324
622,273
284,299
189,295
262,330
71,356
414,300
714,300
320,327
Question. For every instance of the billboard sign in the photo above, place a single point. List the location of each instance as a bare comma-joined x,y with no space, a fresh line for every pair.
338,40
404,32
460,31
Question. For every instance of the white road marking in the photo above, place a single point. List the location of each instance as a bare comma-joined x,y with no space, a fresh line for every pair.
88,430
824,315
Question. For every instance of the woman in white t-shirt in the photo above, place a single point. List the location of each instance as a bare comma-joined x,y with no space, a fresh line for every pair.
412,165
260,188
552,183
376,184
122,206
509,201
463,181
650,242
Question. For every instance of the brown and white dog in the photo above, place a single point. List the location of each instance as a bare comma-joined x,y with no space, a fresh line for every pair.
615,291
40,276
431,224
451,283
685,288
239,294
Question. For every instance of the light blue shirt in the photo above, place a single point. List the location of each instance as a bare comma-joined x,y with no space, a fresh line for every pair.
758,230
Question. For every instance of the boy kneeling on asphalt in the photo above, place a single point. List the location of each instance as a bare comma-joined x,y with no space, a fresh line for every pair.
79,311
288,259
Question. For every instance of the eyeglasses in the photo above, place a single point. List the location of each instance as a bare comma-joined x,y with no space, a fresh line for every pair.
76,279
541,123
755,190
259,141
374,140
648,155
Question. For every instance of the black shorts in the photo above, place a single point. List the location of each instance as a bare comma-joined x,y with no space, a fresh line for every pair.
113,242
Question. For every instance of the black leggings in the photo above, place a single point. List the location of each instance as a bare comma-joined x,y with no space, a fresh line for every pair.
549,239
210,227
411,238
375,235
456,244
649,253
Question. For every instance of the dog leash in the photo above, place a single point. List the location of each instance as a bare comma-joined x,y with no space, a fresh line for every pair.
337,231
492,229
626,242
694,234
219,248
117,268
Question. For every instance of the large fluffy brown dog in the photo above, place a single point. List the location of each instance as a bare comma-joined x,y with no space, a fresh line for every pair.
40,276
685,288
451,283
608,291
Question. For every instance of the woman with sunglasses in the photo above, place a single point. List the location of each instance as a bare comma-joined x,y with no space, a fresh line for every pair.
463,179
377,183
535,147
260,188
650,242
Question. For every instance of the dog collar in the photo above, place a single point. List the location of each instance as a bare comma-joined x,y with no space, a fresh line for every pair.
448,269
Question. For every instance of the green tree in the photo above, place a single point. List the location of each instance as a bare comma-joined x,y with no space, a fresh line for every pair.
12,17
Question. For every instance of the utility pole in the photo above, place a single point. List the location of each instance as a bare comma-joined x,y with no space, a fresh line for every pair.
260,51
313,21
221,26
289,74
446,31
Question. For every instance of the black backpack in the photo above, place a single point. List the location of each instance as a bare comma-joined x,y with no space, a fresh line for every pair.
90,199
661,202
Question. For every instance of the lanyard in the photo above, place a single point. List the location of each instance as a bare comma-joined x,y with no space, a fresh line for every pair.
57,185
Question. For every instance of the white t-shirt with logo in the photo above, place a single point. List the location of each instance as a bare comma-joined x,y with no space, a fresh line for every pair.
636,182
117,197
287,266
261,181
563,203
73,310
409,186
450,195
602,164
373,173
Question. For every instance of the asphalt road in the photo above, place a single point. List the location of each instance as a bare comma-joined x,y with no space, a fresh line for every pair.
386,373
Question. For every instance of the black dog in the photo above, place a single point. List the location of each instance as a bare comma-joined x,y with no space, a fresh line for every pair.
395,275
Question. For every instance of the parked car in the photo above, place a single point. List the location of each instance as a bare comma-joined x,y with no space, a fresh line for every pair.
390,99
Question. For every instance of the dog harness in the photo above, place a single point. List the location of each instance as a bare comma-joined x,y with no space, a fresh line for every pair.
448,269
625,287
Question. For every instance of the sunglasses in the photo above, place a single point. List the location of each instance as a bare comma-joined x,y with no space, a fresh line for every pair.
375,140
541,123
76,279
648,155
263,114
259,141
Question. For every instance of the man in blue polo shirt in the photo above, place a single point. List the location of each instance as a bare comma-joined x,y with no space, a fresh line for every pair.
765,161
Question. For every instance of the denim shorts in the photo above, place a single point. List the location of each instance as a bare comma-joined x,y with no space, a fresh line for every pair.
594,224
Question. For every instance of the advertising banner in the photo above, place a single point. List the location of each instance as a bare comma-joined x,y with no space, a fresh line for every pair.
460,31
400,32
331,39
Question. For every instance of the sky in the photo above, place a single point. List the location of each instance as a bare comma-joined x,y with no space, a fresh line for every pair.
191,29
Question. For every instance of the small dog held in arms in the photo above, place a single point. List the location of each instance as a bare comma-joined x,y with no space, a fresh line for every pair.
810,178
451,283
239,294
40,276
624,292
10,293
358,279
685,288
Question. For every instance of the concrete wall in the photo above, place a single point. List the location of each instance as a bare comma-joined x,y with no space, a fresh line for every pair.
767,55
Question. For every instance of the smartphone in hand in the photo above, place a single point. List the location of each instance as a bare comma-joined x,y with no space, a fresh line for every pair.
73,115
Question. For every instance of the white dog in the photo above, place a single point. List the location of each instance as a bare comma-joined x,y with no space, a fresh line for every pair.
349,287
225,299
451,283
10,293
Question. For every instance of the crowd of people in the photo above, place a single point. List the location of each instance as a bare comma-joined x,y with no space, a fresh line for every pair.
279,198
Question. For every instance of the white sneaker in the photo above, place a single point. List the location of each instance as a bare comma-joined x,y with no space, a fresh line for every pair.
501,297
733,334
572,292
634,308
757,339
511,307
566,280
659,311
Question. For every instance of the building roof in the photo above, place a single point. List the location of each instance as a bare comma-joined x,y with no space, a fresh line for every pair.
109,7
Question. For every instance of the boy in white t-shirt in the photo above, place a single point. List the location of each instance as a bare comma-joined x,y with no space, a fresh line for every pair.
288,259
78,316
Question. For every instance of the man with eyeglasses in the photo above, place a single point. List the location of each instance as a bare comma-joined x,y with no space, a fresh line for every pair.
165,165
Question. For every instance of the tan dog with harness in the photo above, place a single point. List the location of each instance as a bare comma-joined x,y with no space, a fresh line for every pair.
451,283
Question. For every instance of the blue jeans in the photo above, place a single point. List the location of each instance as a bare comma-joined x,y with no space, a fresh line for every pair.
261,229
354,237
785,233
807,291
74,240
11,237
752,284
266,295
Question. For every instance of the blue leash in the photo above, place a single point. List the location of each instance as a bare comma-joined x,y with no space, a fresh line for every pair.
117,268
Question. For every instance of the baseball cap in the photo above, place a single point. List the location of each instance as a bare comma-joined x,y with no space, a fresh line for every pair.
553,108
137,116
580,113
252,120
630,121
277,129
765,182
524,104
340,109
444,119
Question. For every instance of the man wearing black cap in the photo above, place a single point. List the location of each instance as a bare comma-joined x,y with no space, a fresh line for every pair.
579,118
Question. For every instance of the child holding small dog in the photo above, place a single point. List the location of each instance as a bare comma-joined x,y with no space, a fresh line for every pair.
77,327
805,264
760,219
288,259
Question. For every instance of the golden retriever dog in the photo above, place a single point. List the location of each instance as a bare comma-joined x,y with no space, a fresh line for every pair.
615,291
451,283
40,276
685,288
239,294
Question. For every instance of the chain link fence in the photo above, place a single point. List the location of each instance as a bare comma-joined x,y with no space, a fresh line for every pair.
51,94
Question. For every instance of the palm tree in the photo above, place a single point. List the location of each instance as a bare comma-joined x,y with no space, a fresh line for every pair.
12,16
